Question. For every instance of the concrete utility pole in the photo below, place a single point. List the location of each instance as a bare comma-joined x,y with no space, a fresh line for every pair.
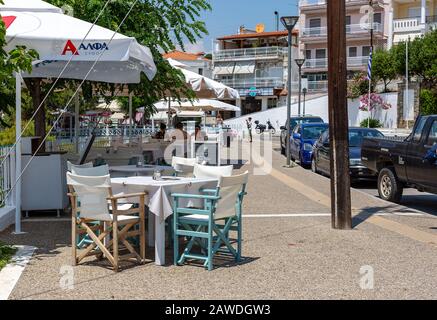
338,116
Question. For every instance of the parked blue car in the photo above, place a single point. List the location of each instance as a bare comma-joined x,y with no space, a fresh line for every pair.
302,140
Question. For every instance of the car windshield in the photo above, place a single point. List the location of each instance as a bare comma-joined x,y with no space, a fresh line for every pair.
294,122
356,136
313,132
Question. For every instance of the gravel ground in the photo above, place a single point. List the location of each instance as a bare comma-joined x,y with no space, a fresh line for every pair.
284,257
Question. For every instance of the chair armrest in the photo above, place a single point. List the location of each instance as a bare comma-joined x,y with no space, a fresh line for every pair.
194,196
208,190
127,196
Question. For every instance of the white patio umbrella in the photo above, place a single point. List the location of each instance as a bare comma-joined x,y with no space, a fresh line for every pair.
205,87
58,39
209,105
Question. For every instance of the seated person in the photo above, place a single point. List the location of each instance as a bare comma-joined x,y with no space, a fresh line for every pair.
179,133
161,133
199,134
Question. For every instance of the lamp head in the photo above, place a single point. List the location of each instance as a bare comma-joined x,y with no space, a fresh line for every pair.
299,62
289,22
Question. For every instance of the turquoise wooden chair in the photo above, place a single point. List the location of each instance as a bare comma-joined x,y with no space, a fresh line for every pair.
210,226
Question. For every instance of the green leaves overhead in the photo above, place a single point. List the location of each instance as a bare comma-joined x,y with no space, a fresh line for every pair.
160,25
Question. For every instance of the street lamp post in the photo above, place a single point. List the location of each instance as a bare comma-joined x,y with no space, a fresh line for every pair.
304,91
289,23
300,63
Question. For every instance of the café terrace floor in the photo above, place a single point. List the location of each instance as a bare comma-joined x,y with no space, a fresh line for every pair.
289,251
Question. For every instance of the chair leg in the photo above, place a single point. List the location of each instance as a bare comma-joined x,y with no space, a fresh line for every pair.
175,243
210,242
239,237
74,239
115,244
142,233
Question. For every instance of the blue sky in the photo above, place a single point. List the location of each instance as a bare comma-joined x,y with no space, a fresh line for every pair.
227,15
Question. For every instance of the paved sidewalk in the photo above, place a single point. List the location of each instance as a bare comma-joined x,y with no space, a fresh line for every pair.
290,252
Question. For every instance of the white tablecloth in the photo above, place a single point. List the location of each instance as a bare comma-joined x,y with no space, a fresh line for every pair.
133,169
159,200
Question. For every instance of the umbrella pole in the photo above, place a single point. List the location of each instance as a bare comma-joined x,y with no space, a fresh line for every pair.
169,113
18,153
76,122
130,117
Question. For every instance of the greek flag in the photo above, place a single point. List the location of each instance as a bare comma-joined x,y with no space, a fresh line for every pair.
369,66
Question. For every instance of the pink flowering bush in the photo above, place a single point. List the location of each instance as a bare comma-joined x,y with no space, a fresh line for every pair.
376,102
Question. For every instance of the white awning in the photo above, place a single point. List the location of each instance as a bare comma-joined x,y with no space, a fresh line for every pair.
244,67
224,69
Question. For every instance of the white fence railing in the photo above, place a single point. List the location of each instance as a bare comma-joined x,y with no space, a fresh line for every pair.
7,173
323,63
406,25
351,29
250,53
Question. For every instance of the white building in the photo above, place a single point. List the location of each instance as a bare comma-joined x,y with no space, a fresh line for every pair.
196,62
255,63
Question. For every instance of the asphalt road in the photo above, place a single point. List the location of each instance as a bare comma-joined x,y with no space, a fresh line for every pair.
412,198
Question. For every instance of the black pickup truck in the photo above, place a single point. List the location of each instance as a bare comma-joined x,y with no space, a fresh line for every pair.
404,162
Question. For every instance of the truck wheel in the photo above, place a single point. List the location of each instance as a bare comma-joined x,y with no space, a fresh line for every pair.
389,186
314,165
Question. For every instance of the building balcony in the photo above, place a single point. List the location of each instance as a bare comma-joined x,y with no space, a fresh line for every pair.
352,62
253,83
264,53
407,25
310,4
413,25
352,29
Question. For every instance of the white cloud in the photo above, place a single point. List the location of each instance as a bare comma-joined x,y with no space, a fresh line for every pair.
194,47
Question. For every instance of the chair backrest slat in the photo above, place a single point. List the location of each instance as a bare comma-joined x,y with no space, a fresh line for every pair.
70,165
183,166
91,172
92,193
231,190
201,171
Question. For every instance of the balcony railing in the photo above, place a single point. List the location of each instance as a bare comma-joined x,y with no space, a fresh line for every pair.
323,63
251,53
305,3
254,82
350,29
407,25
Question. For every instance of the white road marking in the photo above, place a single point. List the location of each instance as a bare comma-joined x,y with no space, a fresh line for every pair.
302,215
10,274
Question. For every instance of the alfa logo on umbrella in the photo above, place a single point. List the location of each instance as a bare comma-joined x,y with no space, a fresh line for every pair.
87,49
8,20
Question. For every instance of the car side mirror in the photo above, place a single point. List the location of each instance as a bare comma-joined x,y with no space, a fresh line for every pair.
297,136
283,128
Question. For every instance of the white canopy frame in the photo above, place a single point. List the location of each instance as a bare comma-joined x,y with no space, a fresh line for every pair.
141,55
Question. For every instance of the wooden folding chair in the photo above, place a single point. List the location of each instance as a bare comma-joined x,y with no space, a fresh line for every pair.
210,226
94,194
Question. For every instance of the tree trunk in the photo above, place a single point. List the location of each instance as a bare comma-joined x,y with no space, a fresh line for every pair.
34,86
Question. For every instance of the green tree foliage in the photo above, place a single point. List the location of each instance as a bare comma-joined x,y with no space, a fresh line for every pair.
428,101
358,86
159,25
370,123
383,68
18,59
422,59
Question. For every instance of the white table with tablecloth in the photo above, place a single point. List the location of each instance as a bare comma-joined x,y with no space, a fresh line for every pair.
160,202
146,170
